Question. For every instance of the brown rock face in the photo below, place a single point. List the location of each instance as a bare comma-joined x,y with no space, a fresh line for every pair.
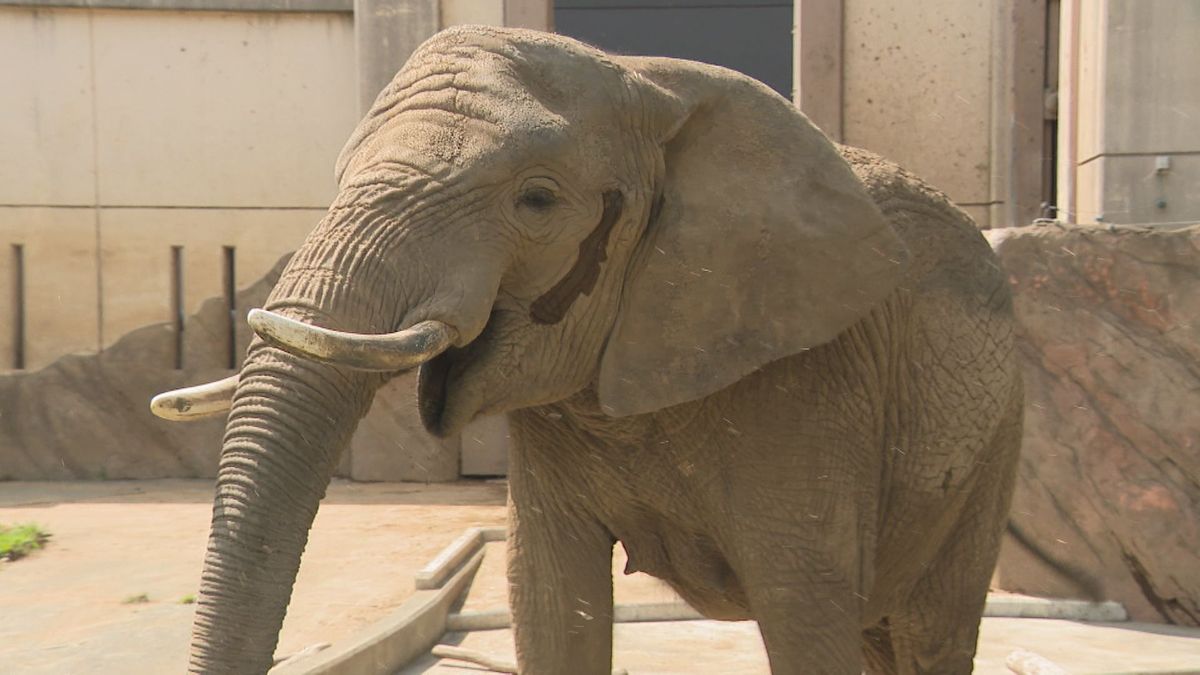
1110,474
88,416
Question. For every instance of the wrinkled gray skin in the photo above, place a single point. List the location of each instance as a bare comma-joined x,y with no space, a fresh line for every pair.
784,381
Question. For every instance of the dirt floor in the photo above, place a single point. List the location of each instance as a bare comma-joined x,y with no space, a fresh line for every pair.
66,609
673,648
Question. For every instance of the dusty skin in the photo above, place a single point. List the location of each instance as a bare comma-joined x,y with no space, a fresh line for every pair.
779,372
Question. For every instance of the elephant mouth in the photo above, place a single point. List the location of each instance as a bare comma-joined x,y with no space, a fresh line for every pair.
432,387
435,378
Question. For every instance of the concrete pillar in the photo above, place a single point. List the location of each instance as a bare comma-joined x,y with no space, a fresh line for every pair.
817,69
1068,109
1133,154
535,14
386,32
1018,109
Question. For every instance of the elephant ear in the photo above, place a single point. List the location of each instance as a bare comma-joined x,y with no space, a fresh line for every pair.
763,242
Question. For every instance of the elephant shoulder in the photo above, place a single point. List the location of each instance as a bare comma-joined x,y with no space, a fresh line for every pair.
895,189
942,239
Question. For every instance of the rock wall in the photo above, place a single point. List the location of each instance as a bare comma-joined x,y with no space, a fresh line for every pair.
1110,476
88,416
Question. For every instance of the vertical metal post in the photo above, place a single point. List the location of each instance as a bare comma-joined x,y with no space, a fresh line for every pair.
18,303
229,288
177,305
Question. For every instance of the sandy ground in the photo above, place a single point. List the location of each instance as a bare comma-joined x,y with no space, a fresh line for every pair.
64,609
701,647
704,647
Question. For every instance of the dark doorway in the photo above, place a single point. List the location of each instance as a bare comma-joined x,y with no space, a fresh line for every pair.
752,36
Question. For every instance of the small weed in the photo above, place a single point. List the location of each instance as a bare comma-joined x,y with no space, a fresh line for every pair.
188,599
139,599
18,540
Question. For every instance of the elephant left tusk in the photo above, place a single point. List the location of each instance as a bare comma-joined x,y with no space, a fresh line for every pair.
379,353
193,403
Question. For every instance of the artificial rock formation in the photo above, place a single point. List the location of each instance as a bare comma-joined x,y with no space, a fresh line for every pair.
1110,473
88,416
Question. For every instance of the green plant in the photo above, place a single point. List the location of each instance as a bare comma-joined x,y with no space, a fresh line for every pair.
139,599
188,599
19,540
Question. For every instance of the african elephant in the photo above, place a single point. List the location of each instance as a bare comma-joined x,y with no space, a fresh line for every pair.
780,373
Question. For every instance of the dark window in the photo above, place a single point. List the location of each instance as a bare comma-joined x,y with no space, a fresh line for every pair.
752,36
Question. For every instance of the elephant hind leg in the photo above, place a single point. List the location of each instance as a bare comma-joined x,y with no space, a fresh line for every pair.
935,629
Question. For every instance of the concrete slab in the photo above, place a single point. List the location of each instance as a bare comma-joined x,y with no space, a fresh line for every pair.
1086,648
46,125
285,87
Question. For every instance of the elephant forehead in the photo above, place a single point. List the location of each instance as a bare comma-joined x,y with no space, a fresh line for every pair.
449,147
443,125
469,93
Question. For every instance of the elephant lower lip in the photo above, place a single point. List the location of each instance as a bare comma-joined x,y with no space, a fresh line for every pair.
431,392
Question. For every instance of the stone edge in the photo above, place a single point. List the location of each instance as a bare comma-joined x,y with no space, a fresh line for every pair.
391,643
997,607
415,627
435,572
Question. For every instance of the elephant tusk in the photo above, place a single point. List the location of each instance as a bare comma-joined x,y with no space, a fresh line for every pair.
193,403
380,353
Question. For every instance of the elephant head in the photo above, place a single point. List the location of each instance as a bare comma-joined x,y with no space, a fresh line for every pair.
527,217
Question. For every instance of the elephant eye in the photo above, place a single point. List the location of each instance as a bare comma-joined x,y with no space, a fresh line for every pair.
538,199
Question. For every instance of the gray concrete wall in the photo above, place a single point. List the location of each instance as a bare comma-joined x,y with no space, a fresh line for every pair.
146,148
1133,155
128,133
951,90
129,128
917,90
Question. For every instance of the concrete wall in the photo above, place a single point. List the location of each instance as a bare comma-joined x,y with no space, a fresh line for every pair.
139,131
1132,154
152,158
924,103
131,132
950,89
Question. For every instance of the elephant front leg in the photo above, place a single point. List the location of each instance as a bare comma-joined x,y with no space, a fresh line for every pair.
808,624
559,582
807,582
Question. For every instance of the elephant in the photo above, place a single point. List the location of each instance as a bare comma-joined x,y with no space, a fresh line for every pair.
780,372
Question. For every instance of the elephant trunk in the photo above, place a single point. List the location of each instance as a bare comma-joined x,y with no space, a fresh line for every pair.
297,402
287,428
280,451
